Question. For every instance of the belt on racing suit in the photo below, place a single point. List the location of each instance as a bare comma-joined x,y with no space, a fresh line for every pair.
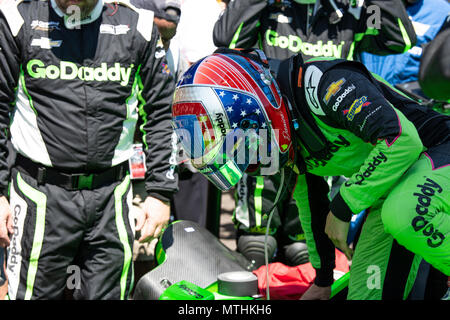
70,181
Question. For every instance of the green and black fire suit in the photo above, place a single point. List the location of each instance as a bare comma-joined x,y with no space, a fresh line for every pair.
396,156
71,92
375,26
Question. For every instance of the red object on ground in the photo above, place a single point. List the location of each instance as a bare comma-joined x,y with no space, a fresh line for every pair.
289,283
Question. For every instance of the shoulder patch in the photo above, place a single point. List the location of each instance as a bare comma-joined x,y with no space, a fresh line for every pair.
12,15
312,79
145,20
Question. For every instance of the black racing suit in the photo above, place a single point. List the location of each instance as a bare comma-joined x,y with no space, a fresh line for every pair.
376,26
71,93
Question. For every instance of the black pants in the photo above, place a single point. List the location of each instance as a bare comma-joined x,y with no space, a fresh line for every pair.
191,202
80,240
255,198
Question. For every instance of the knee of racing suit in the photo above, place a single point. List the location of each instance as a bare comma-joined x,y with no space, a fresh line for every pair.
252,247
296,253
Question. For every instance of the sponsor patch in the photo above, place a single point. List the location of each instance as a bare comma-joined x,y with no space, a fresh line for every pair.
312,79
115,30
360,177
425,195
295,44
165,68
48,26
361,127
356,107
46,43
280,18
67,70
334,146
342,96
332,89
220,124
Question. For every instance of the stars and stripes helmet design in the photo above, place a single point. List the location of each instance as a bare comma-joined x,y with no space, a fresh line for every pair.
230,118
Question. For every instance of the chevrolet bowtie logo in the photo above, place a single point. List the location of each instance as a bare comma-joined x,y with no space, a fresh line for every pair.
333,89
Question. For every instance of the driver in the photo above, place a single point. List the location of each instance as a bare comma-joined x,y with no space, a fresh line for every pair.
327,117
312,28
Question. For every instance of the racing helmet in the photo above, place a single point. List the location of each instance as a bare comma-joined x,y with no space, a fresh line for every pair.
230,117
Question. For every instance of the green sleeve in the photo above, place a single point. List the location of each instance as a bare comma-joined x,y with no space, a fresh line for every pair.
366,113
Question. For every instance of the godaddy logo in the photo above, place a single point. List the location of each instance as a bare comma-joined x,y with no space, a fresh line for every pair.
295,44
70,71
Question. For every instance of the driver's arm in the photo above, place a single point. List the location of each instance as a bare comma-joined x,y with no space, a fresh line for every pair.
370,116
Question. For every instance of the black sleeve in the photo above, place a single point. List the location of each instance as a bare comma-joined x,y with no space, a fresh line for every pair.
385,28
157,85
319,205
9,75
237,27
349,100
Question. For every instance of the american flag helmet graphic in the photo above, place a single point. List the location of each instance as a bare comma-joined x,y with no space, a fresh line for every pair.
230,118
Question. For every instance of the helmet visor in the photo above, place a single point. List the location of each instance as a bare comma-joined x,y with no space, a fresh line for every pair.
226,163
222,161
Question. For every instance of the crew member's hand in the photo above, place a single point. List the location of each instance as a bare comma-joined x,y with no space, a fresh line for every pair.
5,222
316,293
337,231
154,219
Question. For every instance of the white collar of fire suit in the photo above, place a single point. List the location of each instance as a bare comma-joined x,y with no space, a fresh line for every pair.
73,21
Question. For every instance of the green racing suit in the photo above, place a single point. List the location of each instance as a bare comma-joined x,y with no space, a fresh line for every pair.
377,140
282,31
